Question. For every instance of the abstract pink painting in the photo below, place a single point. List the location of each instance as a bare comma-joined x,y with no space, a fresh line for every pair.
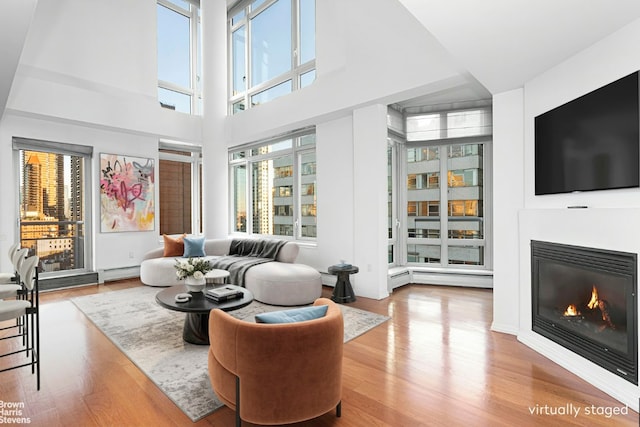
126,193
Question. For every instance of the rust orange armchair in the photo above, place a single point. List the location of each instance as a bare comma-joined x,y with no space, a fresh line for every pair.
276,374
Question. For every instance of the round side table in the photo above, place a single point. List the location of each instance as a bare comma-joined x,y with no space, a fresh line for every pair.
216,276
343,292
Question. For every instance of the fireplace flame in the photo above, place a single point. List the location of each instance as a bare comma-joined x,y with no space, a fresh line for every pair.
572,310
602,305
593,302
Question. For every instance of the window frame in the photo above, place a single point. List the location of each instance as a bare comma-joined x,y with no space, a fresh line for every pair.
444,141
85,152
444,241
194,91
195,159
242,156
296,73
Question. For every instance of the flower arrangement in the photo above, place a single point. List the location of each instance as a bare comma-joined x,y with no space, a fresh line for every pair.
196,267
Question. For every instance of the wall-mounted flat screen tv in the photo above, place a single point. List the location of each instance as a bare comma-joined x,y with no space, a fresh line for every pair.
590,143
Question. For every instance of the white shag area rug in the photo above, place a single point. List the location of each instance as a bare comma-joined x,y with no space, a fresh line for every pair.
151,336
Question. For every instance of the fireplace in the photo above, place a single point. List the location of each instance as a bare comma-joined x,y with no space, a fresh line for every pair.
585,300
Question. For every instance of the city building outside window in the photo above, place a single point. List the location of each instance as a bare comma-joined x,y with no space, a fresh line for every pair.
53,207
179,56
272,50
442,164
273,187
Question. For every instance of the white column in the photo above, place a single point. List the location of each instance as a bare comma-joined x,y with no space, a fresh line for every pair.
508,199
215,177
370,201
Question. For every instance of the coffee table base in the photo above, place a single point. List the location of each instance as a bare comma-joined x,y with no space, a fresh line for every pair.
196,328
197,309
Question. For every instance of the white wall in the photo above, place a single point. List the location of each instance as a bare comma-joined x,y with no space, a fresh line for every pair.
604,62
508,199
608,223
88,76
335,206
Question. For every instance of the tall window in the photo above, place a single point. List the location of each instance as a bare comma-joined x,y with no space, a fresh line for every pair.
272,50
443,174
179,56
392,221
53,204
273,187
180,186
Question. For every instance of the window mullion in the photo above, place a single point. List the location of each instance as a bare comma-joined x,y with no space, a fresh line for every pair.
173,87
402,199
194,62
249,196
444,206
247,64
295,43
295,189
194,197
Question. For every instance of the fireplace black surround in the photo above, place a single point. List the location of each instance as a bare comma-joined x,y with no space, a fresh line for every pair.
585,299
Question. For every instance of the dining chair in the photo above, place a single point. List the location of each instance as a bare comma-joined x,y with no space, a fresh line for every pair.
26,308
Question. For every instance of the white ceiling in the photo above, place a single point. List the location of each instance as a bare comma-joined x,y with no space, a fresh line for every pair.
14,23
501,43
505,43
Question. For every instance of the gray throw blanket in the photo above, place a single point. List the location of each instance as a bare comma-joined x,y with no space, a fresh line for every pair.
244,254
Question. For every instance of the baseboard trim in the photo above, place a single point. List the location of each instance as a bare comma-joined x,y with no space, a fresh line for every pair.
111,274
70,281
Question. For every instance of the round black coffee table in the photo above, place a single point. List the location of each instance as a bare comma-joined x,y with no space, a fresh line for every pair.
196,322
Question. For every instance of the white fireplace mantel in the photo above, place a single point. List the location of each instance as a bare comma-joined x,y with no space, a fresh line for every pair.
611,229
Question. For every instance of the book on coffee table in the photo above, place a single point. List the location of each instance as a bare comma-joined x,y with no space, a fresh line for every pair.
223,294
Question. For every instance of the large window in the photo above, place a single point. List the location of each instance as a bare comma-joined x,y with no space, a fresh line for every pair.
273,187
180,186
442,187
54,209
272,50
179,56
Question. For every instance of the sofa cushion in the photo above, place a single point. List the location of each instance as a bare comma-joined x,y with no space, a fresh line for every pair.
193,246
173,246
293,315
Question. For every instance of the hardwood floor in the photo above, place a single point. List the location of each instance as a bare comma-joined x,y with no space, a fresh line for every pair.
435,363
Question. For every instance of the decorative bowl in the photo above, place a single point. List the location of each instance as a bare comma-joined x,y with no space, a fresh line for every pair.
195,285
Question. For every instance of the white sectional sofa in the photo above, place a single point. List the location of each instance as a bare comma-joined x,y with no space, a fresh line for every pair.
279,282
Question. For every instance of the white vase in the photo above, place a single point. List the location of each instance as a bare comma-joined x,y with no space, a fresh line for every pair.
195,285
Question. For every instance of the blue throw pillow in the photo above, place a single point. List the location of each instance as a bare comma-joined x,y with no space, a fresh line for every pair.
293,315
193,246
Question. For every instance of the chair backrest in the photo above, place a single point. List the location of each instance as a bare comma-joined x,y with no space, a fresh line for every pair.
18,258
28,271
12,250
288,372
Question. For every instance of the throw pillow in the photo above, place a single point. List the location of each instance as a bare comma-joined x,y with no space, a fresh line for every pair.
173,246
293,315
193,246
